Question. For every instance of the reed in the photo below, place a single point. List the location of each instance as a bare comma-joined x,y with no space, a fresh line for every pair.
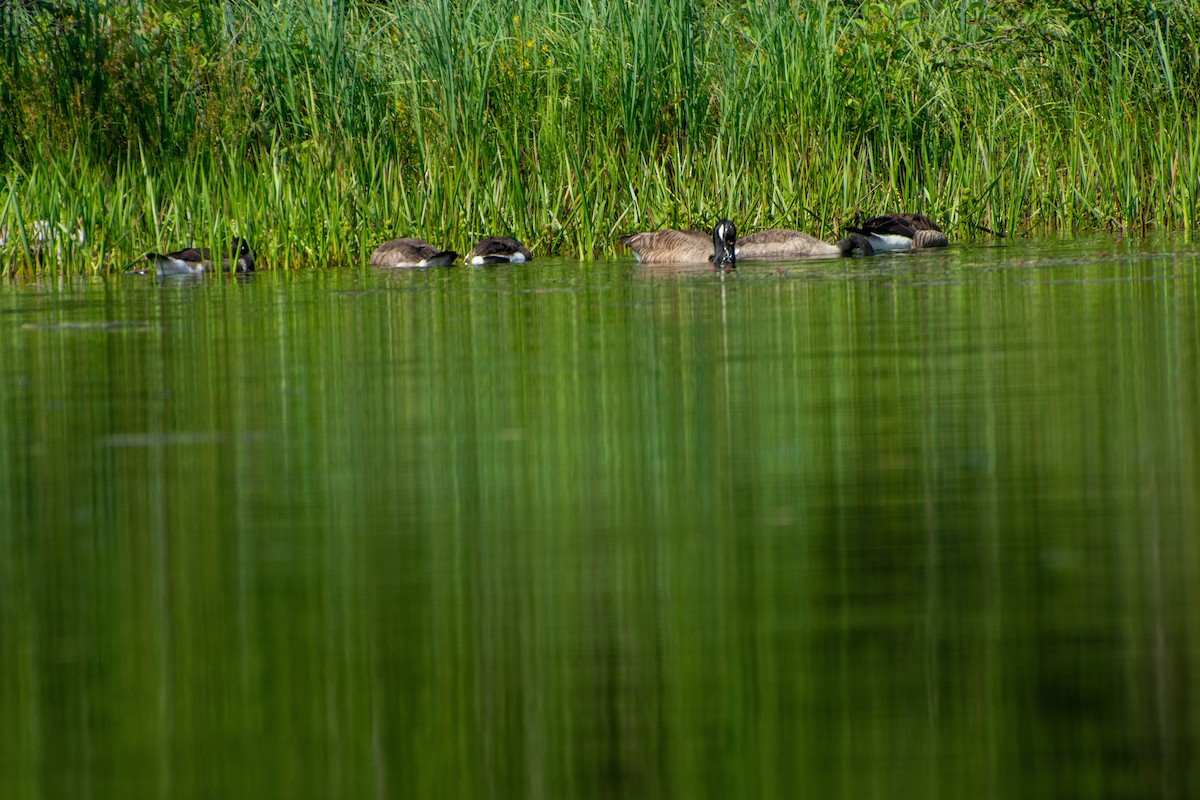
319,129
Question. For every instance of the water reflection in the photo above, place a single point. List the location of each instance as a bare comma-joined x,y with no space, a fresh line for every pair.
559,531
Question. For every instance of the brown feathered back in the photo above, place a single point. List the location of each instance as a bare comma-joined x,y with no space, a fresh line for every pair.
409,252
670,246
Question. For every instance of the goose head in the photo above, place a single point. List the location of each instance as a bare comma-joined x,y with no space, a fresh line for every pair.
724,239
243,255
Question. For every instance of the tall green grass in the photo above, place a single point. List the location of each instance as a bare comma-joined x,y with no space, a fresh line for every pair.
318,129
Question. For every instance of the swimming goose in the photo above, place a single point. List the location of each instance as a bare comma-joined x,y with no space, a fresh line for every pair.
685,247
499,250
778,244
891,232
411,253
198,260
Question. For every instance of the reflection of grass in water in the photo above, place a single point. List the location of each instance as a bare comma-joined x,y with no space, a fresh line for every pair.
646,538
319,130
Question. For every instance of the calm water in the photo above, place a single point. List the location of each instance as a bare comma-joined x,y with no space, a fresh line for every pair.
908,527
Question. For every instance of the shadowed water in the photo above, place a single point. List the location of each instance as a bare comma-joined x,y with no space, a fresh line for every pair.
913,526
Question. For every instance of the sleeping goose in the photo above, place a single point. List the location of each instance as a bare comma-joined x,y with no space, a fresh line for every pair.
779,244
891,232
685,247
499,250
411,253
197,260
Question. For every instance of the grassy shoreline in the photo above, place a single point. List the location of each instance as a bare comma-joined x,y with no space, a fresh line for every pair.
320,129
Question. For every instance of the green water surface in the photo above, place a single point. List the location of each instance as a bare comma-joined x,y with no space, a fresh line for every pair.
919,526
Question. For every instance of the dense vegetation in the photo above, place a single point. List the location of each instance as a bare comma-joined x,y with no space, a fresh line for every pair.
319,127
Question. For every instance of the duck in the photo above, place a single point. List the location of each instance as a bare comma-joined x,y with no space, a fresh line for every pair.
686,247
779,243
198,260
410,252
895,232
499,250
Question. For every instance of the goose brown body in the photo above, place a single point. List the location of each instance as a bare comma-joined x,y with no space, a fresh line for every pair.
779,243
499,250
670,246
892,232
198,260
409,252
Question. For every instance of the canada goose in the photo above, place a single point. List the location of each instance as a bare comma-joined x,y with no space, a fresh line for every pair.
891,232
685,247
499,250
198,260
411,253
779,244
41,233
